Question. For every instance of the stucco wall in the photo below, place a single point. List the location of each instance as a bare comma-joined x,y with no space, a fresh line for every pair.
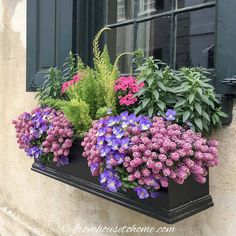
31,204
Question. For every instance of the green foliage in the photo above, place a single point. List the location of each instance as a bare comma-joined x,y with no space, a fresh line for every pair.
187,91
77,111
157,94
51,87
54,79
196,101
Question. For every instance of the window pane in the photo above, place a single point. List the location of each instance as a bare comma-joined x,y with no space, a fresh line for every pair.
187,3
154,38
119,10
120,40
195,38
149,7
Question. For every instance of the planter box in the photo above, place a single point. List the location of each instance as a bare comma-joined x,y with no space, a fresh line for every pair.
175,203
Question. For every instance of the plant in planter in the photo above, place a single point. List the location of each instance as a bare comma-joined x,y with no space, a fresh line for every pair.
138,132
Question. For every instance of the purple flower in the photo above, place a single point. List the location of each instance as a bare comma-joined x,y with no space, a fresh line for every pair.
100,141
142,192
62,161
113,120
115,144
103,177
119,157
113,184
124,115
132,118
170,114
125,143
104,151
154,194
145,124
101,131
118,131
34,152
94,167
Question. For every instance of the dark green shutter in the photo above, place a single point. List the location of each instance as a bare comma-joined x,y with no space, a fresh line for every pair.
49,37
225,45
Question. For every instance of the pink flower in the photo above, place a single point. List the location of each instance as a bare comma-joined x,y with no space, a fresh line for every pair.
66,85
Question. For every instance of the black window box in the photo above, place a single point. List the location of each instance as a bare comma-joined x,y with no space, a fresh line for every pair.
175,203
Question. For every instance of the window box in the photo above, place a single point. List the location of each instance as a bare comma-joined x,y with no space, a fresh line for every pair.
175,203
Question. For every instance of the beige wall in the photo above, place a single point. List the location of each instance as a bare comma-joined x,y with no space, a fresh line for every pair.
31,203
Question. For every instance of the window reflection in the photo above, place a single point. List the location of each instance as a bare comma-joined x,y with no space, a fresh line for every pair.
120,10
188,3
149,7
154,38
195,38
120,40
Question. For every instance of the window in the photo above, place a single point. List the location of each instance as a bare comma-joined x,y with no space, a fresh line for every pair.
179,32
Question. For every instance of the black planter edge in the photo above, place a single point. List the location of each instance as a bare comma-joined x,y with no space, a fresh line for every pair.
168,216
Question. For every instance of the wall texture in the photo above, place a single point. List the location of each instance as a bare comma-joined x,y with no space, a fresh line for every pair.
31,204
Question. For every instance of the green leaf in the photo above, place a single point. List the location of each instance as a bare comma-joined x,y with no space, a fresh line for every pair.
120,170
140,92
137,110
198,122
150,81
125,179
191,97
198,107
206,116
145,102
199,90
150,111
180,103
186,115
161,105
161,85
156,94
159,73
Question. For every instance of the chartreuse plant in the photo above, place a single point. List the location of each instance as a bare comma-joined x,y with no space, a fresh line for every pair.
187,91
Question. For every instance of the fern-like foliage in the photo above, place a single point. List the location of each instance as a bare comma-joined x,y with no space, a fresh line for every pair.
77,111
105,72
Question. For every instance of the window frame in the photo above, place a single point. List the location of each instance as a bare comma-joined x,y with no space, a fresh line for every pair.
172,13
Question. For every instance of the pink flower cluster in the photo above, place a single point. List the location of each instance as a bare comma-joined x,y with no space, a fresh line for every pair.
91,152
66,85
127,87
45,134
169,151
59,138
165,151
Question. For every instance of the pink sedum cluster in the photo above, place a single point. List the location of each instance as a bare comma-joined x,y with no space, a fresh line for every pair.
66,85
127,87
